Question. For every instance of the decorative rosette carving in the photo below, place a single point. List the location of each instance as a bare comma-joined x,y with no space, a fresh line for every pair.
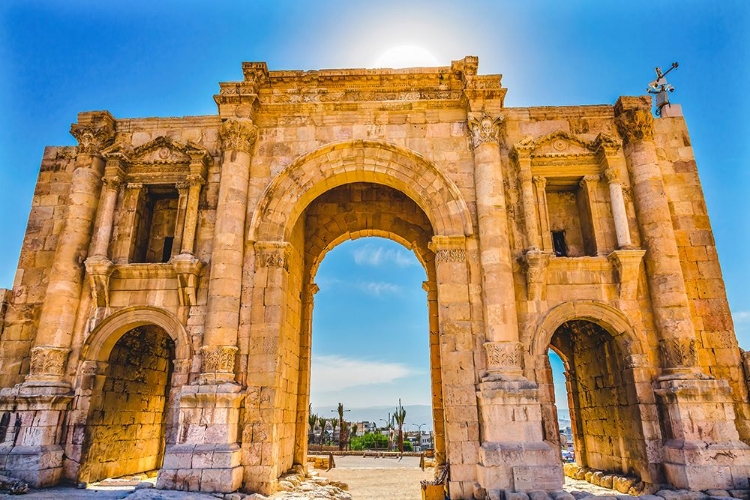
484,129
218,359
450,255
238,135
48,361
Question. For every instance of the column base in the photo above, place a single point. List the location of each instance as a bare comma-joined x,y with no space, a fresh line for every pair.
210,468
40,466
207,456
704,450
514,455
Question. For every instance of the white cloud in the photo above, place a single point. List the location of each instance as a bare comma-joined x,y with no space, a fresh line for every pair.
741,316
376,255
334,373
378,288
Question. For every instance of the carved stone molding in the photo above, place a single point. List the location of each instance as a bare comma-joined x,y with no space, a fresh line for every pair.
99,269
627,264
540,182
450,255
606,144
48,362
612,175
218,359
678,352
504,356
188,270
238,135
535,265
484,129
309,292
272,254
112,182
635,125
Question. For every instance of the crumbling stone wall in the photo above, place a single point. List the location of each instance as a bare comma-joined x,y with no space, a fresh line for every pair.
126,426
605,422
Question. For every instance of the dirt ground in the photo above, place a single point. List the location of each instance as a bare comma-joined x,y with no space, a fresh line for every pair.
379,478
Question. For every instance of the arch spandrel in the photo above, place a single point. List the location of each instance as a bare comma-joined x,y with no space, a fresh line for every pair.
614,321
104,337
309,176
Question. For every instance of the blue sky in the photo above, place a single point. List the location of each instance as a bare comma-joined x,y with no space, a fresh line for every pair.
165,58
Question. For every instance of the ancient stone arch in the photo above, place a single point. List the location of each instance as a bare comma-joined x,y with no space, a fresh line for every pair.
536,226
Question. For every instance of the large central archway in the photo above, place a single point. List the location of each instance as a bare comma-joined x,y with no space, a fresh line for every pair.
343,192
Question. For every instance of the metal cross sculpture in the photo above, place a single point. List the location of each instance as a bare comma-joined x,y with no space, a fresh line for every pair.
660,88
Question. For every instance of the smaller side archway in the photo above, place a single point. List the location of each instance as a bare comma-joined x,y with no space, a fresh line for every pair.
126,391
613,412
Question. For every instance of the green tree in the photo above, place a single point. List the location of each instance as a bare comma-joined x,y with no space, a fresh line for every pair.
312,418
370,441
323,421
400,417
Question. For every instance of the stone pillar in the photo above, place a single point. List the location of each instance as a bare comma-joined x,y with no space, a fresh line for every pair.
666,282
195,183
457,363
179,227
701,449
207,454
436,377
498,291
523,160
225,281
54,334
127,227
38,406
612,175
305,360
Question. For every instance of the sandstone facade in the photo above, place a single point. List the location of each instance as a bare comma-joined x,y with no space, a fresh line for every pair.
161,312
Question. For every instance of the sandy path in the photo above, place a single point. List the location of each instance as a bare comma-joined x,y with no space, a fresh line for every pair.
380,478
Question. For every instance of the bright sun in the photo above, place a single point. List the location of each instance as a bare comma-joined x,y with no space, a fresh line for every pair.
406,56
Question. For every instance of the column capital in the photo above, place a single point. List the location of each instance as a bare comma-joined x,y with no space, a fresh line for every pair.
606,145
612,174
540,181
218,363
112,182
238,135
94,131
504,356
634,119
272,254
484,129
47,363
589,180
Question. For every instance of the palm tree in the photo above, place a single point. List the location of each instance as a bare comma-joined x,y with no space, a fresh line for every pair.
312,418
400,416
323,421
340,409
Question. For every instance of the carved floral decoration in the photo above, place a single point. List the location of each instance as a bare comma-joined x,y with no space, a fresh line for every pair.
219,359
484,129
48,361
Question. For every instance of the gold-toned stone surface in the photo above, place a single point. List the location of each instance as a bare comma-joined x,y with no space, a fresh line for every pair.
195,240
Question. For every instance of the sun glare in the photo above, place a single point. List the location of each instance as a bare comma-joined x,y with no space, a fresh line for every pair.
406,56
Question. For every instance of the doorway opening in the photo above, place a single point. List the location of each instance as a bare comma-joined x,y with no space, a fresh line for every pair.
127,417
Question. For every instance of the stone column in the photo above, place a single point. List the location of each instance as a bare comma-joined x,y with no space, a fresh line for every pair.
540,183
588,185
305,360
225,281
207,455
622,229
498,291
702,449
127,227
195,182
38,406
523,160
54,334
179,227
666,281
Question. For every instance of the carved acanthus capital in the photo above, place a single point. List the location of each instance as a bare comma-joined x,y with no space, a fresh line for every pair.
535,264
238,135
218,359
606,144
484,129
635,125
112,182
612,175
92,138
524,175
48,362
99,269
272,254
678,352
